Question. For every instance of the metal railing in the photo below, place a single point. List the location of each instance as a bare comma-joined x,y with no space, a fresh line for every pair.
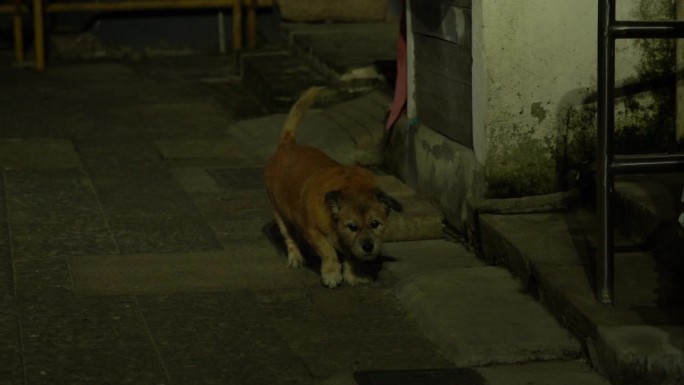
608,164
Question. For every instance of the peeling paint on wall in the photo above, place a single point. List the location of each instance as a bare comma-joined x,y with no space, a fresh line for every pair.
537,111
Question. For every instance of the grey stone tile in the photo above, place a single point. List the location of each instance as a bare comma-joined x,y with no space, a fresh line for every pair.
195,180
547,372
11,372
48,195
244,178
162,234
42,209
242,232
285,305
37,153
225,147
107,155
88,341
48,182
6,270
147,181
220,338
365,325
3,203
44,278
147,193
131,202
180,272
6,275
234,205
64,237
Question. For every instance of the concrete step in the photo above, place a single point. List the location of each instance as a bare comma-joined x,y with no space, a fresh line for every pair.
354,56
647,210
478,315
278,77
419,219
638,339
351,58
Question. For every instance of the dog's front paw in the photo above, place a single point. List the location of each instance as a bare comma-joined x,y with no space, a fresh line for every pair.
331,280
295,259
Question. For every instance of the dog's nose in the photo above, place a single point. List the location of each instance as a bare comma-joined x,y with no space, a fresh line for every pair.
367,246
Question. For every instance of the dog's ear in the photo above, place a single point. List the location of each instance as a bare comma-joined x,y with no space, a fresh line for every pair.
332,200
388,201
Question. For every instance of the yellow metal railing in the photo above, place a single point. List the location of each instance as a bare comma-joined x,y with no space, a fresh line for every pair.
17,10
40,8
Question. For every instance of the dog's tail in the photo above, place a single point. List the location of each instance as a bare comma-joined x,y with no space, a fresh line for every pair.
296,113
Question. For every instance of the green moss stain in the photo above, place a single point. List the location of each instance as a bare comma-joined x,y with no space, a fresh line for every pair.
522,169
537,111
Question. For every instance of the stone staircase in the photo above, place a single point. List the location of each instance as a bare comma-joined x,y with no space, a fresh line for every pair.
350,126
639,339
321,54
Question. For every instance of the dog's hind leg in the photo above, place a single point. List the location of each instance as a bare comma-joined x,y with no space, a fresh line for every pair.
294,256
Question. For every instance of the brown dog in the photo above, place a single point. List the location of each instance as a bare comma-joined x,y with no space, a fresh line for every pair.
336,209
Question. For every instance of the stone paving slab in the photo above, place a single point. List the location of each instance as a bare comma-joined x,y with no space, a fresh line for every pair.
247,232
543,373
470,310
11,371
46,278
195,180
219,331
240,267
278,77
40,196
86,341
234,205
444,288
628,332
536,373
6,265
37,154
322,326
512,327
54,241
243,178
162,234
227,148
372,42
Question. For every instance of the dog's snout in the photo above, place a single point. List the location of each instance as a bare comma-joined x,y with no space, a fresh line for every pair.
367,245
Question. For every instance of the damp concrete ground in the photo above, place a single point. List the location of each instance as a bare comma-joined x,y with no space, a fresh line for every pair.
135,247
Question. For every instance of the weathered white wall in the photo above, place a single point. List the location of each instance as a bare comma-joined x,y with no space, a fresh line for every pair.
532,62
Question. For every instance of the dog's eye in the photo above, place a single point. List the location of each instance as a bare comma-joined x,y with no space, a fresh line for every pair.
353,227
375,224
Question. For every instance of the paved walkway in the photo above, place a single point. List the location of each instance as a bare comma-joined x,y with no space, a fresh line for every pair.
132,251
